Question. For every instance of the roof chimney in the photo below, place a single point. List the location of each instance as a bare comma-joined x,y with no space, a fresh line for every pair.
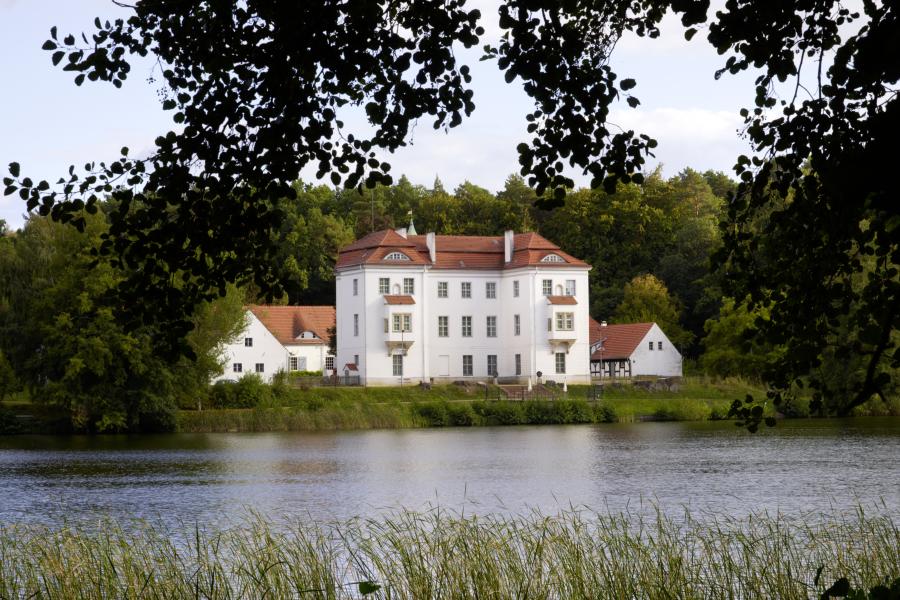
431,244
401,231
508,245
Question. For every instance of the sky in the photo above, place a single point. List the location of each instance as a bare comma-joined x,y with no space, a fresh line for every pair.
47,123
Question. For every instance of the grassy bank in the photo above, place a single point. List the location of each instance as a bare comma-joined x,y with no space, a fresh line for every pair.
440,555
452,406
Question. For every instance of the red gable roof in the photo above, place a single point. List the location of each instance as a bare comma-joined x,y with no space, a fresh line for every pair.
619,341
455,251
288,322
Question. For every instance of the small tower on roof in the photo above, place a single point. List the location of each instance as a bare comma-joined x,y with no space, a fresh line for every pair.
411,230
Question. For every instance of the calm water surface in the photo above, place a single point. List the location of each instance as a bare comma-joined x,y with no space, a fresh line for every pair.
799,467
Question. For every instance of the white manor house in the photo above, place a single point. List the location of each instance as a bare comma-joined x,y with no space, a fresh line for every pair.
441,308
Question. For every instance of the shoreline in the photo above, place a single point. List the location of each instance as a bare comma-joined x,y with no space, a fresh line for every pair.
335,409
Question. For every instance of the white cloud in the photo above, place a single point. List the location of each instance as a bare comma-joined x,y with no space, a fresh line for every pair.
692,137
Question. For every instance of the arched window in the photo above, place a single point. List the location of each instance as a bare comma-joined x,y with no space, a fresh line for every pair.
553,258
397,256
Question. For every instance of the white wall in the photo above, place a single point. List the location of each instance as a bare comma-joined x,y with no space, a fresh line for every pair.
664,363
313,353
428,353
265,349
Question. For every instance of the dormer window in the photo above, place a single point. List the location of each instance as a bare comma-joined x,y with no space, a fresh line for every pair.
397,256
553,258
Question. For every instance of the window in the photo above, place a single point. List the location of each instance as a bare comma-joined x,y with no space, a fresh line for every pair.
561,363
467,365
260,368
396,256
467,326
659,345
565,321
570,287
547,287
402,322
651,345
466,289
553,258
355,287
237,367
549,324
248,342
517,324
516,288
490,290
492,365
409,285
492,326
329,363
518,364
292,361
443,326
442,289
398,365
384,285
355,325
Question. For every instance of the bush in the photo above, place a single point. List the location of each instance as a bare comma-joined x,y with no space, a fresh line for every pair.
604,413
434,413
461,414
248,392
500,412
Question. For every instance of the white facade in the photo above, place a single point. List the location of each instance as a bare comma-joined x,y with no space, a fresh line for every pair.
254,350
258,350
663,360
460,336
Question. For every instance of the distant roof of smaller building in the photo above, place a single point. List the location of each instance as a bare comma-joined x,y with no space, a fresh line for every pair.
398,299
286,323
351,367
562,300
618,341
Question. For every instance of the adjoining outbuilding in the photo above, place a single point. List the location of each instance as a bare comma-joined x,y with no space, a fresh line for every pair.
632,349
280,338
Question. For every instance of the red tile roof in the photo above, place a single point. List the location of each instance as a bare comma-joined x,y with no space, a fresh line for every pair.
288,322
398,299
619,341
562,300
454,251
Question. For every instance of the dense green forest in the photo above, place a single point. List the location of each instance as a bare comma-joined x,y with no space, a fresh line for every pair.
650,246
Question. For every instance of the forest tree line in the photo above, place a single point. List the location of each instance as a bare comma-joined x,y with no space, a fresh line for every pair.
650,246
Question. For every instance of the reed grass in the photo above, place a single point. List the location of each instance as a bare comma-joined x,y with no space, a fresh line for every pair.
438,554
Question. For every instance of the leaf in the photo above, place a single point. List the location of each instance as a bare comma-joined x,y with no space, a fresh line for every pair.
14,169
690,33
57,56
627,84
49,45
79,79
368,587
840,588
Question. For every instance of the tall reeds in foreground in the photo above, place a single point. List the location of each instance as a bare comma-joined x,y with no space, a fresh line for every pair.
436,554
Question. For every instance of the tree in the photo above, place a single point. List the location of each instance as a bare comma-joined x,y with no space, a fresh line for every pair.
733,345
259,90
8,381
645,300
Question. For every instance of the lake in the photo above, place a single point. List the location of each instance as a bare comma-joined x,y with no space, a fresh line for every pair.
800,467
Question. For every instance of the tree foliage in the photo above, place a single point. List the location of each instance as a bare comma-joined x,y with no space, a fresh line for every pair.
260,90
645,299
